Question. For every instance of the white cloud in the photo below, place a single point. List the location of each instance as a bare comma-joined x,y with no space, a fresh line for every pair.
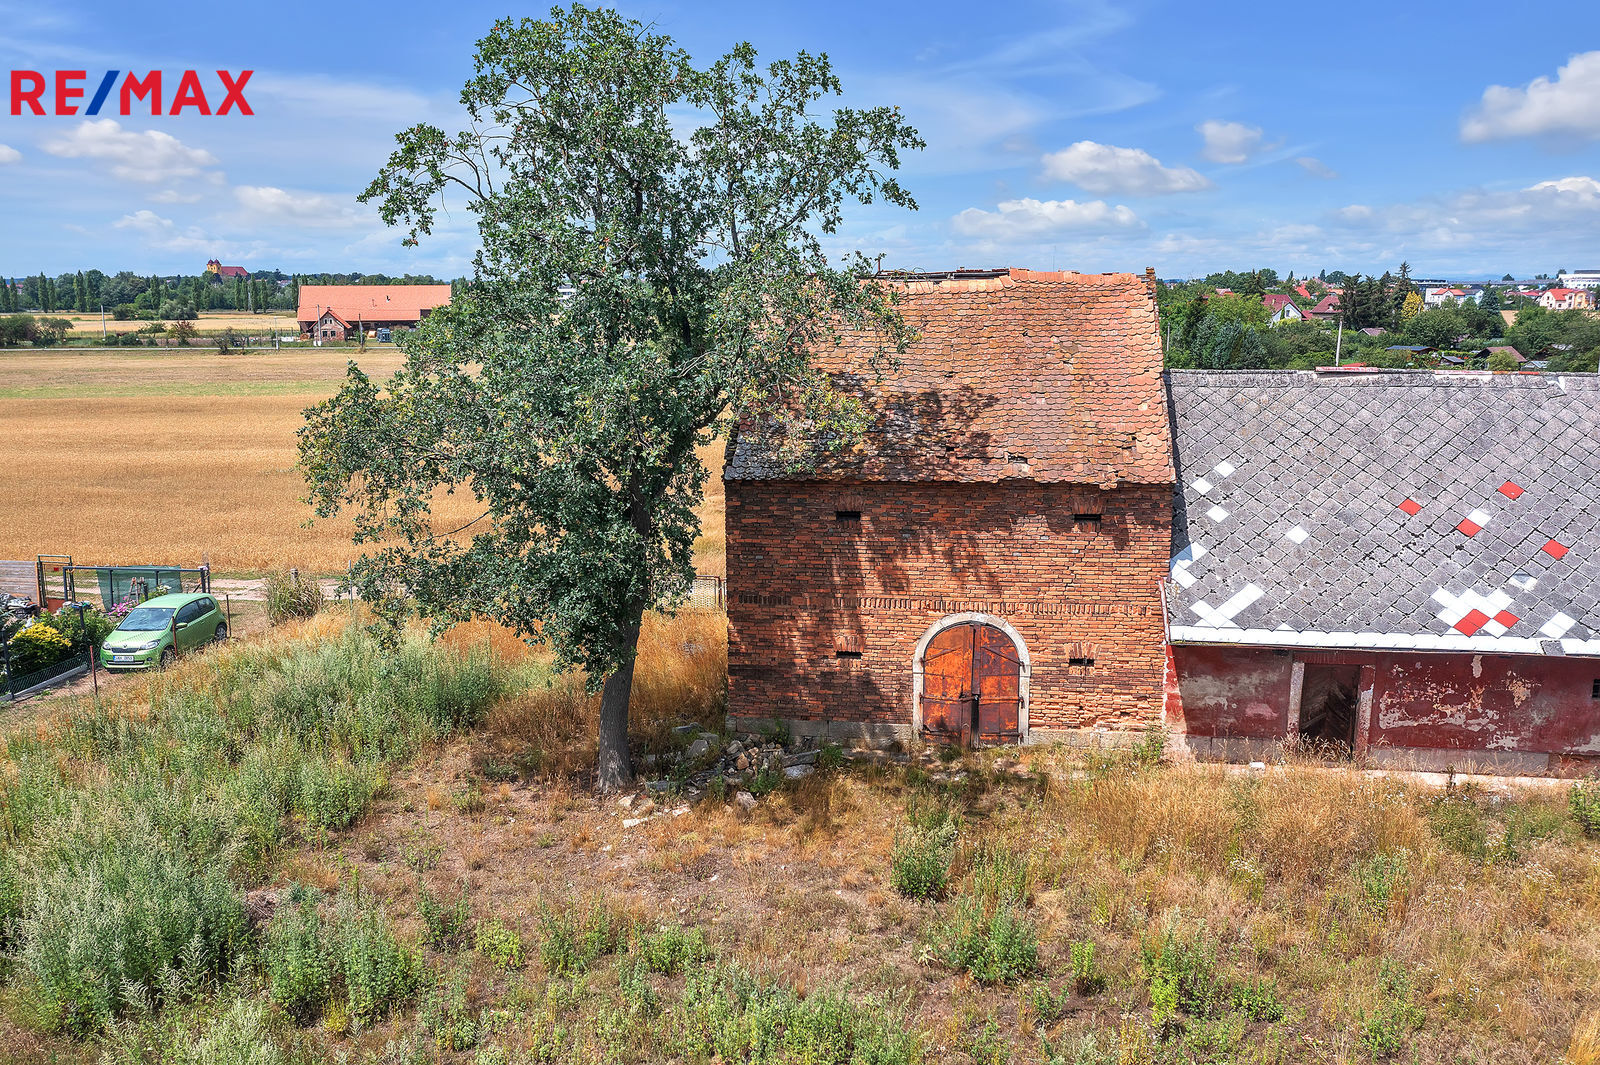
1315,167
1104,168
158,232
269,203
1228,142
9,155
148,156
174,196
1030,219
1563,106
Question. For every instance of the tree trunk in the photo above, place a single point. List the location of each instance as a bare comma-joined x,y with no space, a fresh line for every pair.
614,767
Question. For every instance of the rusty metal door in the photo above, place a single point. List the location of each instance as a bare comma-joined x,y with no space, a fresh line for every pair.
971,685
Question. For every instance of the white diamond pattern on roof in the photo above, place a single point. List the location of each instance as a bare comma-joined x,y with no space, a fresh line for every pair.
1296,534
1217,513
1201,485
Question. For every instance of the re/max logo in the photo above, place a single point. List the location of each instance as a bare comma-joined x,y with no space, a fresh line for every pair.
28,90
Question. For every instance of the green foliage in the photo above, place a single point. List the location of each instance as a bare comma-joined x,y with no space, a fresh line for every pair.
133,916
445,1016
500,944
1503,362
1257,999
1151,748
1182,972
726,1014
575,937
1000,874
1087,976
378,971
672,948
288,597
1383,877
686,296
1386,1030
997,944
38,647
919,868
297,958
1583,800
126,835
444,923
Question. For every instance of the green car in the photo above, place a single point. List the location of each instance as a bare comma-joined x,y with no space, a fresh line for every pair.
157,629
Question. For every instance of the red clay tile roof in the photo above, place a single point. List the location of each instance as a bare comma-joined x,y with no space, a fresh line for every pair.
1050,377
1328,305
232,271
371,303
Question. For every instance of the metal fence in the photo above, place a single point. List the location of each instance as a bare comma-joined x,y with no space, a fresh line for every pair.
709,591
20,686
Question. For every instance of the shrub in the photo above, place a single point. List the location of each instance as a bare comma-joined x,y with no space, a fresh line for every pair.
378,971
1087,978
444,923
1386,1030
288,597
1000,874
37,647
573,940
672,948
1182,974
332,793
1258,999
728,1015
242,1035
500,944
1584,802
920,865
1383,877
995,944
445,1016
134,917
297,959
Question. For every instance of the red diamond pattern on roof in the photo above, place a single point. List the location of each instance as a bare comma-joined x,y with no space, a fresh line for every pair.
1506,618
1469,527
1555,549
1511,489
1474,621
1410,506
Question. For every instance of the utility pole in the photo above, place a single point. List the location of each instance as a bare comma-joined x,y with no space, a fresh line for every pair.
102,323
1338,342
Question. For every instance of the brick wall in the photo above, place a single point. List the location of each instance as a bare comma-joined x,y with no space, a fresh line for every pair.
804,585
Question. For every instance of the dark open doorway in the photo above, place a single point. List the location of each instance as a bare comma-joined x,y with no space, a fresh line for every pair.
1328,702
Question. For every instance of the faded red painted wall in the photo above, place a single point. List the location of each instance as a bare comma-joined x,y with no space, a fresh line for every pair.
1450,700
802,584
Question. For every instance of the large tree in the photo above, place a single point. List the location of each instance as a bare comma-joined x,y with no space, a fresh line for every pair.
651,272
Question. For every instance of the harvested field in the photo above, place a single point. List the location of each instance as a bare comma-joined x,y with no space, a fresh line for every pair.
166,457
210,321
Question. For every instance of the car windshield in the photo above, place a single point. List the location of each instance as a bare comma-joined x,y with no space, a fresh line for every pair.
146,618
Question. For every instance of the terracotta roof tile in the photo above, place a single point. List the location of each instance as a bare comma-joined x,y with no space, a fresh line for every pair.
371,303
1027,375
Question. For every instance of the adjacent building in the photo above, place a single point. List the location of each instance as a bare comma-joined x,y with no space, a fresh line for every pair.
342,312
1282,308
1400,564
1567,299
216,269
986,566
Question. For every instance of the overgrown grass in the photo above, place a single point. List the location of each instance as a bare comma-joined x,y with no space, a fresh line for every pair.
131,826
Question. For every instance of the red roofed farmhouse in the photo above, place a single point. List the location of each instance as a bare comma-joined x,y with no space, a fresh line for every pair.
338,312
987,565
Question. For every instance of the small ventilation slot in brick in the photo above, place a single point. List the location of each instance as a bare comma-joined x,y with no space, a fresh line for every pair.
1087,521
847,654
1594,693
1080,663
847,515
847,645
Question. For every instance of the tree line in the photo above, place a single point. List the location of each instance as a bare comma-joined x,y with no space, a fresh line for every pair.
125,295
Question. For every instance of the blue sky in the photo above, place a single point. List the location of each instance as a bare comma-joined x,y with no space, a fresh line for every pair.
1089,136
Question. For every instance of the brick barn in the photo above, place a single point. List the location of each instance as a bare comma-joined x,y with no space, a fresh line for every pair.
1401,564
989,562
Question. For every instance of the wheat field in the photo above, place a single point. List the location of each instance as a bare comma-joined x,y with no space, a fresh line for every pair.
179,457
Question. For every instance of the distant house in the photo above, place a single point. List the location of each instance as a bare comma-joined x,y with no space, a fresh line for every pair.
1411,349
1283,309
339,312
1328,308
1506,349
1452,360
1436,297
216,268
1567,299
1374,330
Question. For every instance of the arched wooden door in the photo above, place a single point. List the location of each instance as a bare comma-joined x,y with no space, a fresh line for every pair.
971,685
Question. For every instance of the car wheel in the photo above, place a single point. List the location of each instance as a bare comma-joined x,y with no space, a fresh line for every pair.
168,657
221,634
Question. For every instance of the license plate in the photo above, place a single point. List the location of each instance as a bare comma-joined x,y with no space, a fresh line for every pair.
123,658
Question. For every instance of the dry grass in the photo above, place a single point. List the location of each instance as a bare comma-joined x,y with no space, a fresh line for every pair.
89,324
170,457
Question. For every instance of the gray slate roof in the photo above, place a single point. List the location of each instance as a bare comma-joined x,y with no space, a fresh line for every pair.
1289,528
